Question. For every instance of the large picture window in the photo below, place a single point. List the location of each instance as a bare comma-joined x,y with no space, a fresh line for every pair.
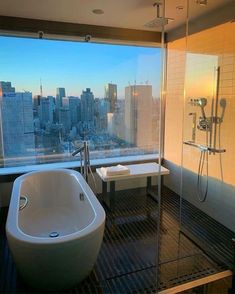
56,94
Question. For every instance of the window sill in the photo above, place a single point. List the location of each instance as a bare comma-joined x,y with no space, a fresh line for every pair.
18,170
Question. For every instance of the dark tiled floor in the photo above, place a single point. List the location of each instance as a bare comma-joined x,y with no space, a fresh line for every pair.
127,260
212,236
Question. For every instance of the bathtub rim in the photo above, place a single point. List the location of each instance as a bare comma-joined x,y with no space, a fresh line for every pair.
12,225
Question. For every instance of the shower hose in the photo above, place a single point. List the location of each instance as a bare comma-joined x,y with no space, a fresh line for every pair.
202,195
204,155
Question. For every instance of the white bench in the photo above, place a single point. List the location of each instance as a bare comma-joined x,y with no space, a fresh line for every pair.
140,170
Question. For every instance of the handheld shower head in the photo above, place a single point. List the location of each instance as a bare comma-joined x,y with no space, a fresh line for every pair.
223,104
202,103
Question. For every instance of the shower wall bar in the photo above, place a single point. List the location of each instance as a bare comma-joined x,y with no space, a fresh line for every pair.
204,147
210,124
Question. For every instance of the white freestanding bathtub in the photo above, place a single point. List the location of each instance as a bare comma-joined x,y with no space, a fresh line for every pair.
54,228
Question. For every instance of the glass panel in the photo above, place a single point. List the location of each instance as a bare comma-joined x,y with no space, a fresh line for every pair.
208,180
177,255
200,92
55,94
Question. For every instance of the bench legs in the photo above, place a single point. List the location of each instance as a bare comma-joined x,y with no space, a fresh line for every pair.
111,200
112,196
149,189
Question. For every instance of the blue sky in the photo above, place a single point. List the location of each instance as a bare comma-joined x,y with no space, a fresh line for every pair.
76,66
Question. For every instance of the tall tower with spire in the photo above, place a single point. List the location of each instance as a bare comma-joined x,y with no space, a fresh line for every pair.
41,88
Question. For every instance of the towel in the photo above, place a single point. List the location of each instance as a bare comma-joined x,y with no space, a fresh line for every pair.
117,170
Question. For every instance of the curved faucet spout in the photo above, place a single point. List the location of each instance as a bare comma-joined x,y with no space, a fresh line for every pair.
84,162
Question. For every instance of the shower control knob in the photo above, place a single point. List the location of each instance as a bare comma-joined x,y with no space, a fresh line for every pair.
204,124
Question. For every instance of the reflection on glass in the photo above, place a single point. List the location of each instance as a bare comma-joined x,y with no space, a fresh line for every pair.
57,94
207,177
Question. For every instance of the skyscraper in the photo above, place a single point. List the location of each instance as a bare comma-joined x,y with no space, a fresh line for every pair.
111,96
60,93
52,108
36,103
46,111
65,119
87,106
16,123
101,118
118,120
74,108
6,88
138,115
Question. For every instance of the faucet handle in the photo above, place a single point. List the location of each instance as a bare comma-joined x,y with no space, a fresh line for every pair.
78,150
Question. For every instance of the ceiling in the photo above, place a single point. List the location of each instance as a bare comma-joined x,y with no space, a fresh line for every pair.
132,14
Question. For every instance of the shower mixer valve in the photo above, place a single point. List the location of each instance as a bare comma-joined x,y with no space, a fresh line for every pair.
208,124
205,123
212,126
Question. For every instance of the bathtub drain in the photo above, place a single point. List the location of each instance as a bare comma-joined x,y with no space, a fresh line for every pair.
54,234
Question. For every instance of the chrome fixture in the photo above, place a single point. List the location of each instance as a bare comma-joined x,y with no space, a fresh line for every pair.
223,104
212,126
201,2
204,123
98,11
85,166
81,196
194,115
202,103
40,34
179,7
85,162
23,202
87,38
159,20
54,234
204,147
210,123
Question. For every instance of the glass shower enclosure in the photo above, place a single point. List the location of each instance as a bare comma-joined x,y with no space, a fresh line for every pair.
208,153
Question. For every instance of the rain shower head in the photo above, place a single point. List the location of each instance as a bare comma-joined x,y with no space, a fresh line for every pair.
159,20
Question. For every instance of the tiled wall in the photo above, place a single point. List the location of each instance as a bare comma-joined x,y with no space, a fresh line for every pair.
205,51
174,100
192,74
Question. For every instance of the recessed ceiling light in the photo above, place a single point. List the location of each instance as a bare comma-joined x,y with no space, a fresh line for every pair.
98,11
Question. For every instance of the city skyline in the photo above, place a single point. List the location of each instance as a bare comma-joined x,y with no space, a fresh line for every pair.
54,95
50,128
74,66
